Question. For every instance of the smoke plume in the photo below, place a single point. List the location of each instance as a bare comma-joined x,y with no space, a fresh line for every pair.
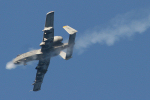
10,65
120,27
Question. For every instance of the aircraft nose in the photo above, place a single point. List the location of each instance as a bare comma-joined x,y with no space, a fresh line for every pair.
16,62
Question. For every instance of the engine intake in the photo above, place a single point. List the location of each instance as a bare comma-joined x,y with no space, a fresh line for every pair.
57,39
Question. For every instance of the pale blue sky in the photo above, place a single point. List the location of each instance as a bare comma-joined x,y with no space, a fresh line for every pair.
98,71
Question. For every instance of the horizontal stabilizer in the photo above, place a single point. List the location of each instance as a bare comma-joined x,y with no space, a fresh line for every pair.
69,29
63,55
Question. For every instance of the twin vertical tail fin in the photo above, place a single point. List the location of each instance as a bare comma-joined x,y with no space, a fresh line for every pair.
71,43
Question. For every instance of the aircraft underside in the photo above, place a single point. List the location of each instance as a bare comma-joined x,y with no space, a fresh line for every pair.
50,46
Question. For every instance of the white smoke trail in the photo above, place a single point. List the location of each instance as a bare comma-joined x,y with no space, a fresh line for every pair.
122,26
10,65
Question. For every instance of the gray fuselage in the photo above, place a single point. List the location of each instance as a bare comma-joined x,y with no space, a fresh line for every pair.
38,54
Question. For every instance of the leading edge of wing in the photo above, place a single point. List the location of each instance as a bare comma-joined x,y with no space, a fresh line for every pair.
41,70
48,35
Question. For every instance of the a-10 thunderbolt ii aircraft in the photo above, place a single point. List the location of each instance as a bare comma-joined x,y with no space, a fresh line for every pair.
50,46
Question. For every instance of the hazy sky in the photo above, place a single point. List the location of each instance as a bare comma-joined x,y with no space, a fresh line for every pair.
110,59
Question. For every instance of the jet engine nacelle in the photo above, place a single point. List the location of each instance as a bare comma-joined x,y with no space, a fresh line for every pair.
57,39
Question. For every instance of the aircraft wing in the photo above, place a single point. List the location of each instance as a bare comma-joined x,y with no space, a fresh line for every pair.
48,35
41,70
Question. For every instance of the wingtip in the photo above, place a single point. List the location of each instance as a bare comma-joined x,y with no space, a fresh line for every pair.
50,12
64,26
